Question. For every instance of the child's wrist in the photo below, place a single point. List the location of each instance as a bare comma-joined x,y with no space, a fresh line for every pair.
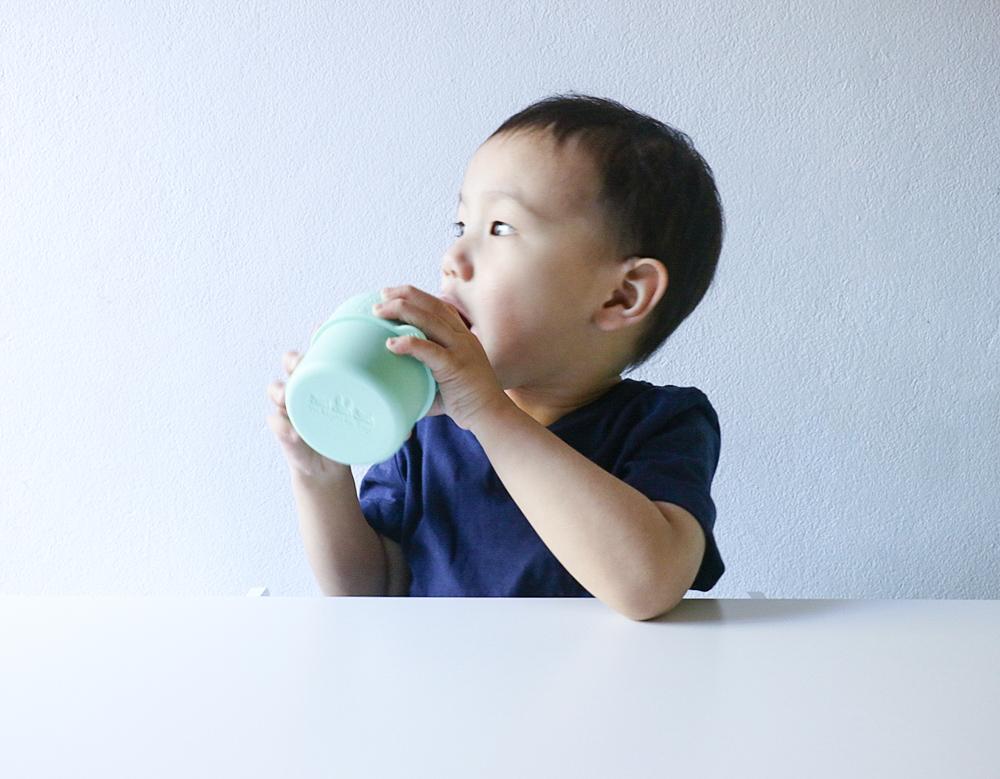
333,477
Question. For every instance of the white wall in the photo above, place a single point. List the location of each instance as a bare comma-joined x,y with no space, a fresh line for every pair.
186,189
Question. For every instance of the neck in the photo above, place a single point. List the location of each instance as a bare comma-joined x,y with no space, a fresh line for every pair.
546,404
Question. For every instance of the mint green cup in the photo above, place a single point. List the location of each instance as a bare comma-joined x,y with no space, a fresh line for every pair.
350,398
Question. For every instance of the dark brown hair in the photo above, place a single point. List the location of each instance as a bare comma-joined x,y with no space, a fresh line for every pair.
657,192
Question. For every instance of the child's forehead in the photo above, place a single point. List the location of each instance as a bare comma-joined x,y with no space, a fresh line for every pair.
533,166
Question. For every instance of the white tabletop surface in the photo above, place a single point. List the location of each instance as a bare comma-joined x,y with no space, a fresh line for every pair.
491,687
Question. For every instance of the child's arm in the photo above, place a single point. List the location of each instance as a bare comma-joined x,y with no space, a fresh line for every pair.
622,547
615,541
345,552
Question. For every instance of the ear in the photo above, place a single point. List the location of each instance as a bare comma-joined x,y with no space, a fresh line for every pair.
641,283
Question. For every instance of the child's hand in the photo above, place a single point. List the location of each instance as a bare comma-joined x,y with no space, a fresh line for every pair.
301,457
467,385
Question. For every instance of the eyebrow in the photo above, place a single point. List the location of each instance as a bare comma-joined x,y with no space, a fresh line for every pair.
509,196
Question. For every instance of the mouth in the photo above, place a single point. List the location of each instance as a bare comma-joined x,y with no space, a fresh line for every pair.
465,319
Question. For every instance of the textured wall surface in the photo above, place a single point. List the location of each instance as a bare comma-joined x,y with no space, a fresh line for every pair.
187,188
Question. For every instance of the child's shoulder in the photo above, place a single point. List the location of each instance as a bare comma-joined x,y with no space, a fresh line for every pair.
669,414
645,403
645,392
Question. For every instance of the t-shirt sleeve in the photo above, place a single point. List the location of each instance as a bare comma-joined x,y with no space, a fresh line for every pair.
382,495
671,455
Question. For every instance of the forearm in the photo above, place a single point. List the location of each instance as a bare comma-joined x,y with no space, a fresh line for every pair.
344,551
607,534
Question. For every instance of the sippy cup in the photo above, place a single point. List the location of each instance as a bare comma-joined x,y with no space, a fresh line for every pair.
350,398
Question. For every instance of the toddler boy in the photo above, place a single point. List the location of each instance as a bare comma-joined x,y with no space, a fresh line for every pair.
587,233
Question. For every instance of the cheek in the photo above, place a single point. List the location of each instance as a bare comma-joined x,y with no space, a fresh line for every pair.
518,311
499,328
520,314
546,303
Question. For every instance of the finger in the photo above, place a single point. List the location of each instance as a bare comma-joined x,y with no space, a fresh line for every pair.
424,300
276,392
281,427
433,355
289,360
436,322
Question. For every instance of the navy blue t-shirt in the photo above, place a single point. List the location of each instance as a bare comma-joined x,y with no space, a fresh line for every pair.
461,532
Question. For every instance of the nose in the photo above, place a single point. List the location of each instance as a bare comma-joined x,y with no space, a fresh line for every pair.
456,264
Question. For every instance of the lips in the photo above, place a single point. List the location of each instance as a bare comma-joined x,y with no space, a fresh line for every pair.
458,306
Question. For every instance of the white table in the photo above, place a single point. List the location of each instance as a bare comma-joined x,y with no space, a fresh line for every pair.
484,687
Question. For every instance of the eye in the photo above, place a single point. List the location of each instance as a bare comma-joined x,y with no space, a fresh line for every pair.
457,227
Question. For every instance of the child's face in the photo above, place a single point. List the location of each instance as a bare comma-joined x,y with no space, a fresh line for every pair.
531,275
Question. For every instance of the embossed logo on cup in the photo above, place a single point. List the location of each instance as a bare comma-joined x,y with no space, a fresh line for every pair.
341,409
